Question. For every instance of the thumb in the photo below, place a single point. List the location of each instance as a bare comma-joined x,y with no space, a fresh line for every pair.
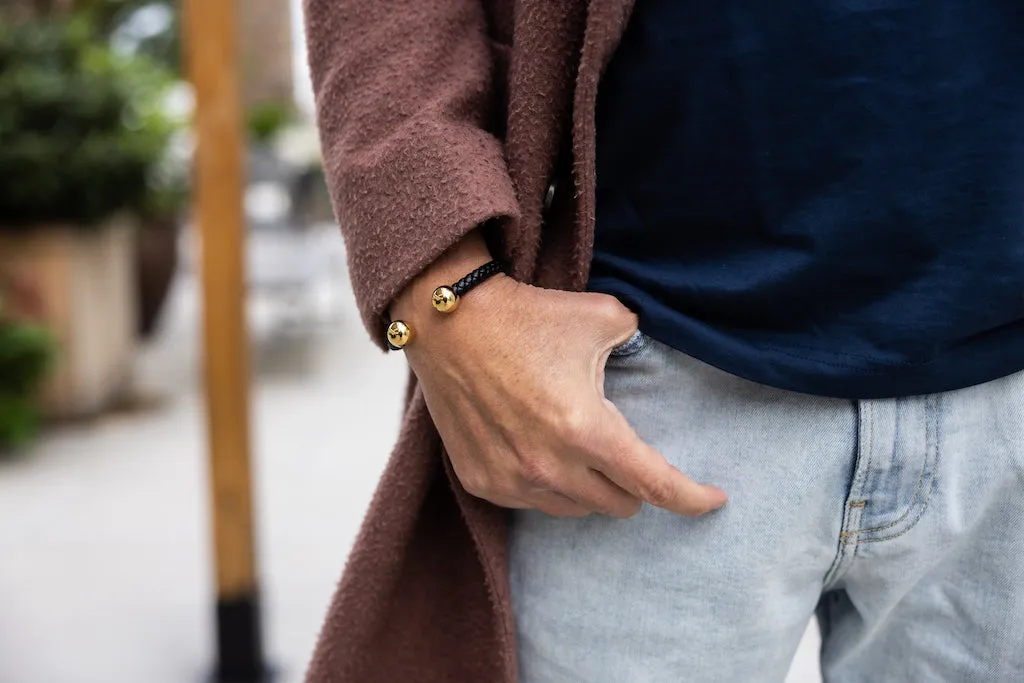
638,468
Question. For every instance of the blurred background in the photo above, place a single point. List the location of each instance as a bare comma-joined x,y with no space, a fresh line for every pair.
106,560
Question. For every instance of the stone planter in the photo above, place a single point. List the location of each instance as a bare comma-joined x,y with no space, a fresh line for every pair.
84,282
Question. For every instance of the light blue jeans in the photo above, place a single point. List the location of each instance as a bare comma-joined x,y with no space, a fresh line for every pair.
900,522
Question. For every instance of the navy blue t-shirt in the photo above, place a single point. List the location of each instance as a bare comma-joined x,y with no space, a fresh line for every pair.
825,196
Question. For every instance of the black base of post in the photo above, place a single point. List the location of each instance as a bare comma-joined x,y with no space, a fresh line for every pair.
240,642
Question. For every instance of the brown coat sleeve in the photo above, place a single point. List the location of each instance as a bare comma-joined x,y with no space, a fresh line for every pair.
404,92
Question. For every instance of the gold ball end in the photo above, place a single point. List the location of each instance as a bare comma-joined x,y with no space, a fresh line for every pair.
399,334
445,299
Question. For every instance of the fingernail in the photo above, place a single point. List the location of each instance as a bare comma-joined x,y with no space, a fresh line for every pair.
717,497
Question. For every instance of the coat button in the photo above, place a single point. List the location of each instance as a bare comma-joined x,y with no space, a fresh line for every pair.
549,196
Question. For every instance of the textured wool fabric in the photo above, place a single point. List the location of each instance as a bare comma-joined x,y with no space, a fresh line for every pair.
437,116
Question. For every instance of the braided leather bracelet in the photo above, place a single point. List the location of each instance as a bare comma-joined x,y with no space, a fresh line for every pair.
444,299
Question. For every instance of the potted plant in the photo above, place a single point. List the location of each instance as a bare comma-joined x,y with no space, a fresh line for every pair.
75,157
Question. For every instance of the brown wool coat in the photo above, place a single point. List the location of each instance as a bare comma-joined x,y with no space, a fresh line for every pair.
437,116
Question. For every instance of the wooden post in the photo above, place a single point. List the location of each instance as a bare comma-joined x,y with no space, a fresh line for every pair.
211,42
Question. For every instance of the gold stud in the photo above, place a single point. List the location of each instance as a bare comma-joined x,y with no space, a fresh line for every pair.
445,299
399,334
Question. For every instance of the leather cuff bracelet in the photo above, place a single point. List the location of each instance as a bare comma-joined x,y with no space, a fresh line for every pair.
444,299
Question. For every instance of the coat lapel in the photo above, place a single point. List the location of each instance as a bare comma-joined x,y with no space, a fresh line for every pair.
606,22
548,38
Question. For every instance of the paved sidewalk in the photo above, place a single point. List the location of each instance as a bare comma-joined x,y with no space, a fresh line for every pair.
104,543
104,546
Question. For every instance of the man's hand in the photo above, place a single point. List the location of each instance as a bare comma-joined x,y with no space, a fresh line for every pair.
514,381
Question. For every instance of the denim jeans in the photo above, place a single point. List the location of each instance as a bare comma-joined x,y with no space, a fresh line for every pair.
900,522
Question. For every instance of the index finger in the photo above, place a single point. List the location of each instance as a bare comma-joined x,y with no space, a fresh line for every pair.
644,472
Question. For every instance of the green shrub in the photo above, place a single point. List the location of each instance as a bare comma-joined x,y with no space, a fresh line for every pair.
25,355
167,173
116,19
79,135
266,120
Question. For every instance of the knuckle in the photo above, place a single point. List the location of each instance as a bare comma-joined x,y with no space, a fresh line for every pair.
658,493
537,474
475,485
613,312
575,424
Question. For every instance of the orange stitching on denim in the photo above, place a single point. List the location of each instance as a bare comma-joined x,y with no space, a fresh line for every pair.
910,526
847,536
934,425
914,499
858,503
864,473
843,535
843,556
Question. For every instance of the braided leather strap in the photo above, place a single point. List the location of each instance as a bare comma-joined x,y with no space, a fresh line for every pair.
474,278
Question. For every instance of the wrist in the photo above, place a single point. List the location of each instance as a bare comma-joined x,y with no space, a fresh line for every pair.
413,305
